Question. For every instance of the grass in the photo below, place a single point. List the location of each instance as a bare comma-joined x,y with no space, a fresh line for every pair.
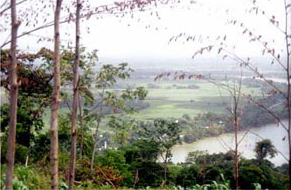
174,102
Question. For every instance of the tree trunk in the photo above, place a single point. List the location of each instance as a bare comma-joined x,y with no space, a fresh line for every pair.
288,77
55,102
95,144
81,127
75,100
165,175
97,128
13,98
236,152
166,168
289,113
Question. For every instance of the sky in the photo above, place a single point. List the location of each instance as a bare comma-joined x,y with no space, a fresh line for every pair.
144,36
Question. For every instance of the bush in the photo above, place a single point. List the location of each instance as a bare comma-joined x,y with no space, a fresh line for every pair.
188,176
115,159
250,174
27,178
148,174
21,153
98,176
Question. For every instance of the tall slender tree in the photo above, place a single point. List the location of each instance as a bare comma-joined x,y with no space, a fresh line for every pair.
55,101
13,96
287,37
236,94
75,98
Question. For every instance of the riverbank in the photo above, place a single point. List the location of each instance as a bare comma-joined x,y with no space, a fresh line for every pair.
225,142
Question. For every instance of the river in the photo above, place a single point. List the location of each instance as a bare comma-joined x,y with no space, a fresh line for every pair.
222,143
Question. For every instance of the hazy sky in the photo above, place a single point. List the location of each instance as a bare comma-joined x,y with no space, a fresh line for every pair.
146,36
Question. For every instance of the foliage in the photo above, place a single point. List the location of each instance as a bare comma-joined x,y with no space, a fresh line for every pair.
257,186
205,125
114,102
188,176
121,126
134,166
147,173
193,156
108,74
212,185
148,149
266,174
255,116
165,133
42,141
34,80
251,174
116,160
141,157
27,126
264,148
34,95
27,178
21,152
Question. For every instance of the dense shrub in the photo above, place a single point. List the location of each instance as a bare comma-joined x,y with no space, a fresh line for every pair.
188,176
27,178
115,159
98,176
148,173
21,153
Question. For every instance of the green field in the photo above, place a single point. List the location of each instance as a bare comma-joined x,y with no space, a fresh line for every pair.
168,101
176,102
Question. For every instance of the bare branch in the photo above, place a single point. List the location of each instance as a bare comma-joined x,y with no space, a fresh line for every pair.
243,137
107,8
224,143
7,8
271,19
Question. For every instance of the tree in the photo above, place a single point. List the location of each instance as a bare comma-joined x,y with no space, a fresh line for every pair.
264,148
236,95
13,97
55,101
193,156
113,101
166,134
236,114
34,95
188,176
121,127
75,98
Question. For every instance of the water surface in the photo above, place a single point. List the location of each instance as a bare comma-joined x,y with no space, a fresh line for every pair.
224,142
